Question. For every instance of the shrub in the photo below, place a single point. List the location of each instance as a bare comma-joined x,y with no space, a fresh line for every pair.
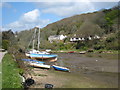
80,45
5,44
110,39
98,47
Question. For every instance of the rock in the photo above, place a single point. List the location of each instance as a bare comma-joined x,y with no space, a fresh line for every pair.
50,86
90,50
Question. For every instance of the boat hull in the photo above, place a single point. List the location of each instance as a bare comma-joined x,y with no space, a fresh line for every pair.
60,68
27,54
51,58
71,52
32,60
40,65
82,52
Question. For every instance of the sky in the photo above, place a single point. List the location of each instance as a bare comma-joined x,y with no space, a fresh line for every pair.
20,16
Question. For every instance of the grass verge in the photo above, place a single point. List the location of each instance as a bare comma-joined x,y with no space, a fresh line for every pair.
10,73
0,76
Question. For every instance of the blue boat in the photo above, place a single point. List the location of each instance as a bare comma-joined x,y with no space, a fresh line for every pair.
43,56
31,60
60,68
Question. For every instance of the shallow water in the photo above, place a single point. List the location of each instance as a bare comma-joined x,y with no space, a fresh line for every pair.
100,68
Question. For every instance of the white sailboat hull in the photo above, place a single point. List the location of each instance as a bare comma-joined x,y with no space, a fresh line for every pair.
40,65
35,52
27,54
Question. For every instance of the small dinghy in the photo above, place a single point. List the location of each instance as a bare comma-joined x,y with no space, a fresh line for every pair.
71,52
82,52
39,65
60,68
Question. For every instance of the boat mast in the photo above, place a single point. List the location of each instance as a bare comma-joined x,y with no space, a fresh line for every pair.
38,38
34,39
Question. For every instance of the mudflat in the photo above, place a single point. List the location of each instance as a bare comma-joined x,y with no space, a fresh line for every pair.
87,71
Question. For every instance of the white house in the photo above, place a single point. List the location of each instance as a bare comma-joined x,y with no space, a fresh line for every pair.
83,38
89,38
76,39
56,38
96,37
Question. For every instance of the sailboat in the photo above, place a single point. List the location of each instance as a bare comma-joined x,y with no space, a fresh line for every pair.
36,54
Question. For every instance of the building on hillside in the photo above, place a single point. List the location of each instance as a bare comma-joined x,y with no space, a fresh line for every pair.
56,38
16,36
76,39
96,37
89,38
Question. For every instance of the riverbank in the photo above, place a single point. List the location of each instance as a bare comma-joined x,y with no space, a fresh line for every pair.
86,51
64,80
86,72
90,70
10,73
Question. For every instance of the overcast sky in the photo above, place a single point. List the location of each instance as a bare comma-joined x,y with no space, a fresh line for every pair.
25,15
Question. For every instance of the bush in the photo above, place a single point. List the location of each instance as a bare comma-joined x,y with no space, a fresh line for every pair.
5,44
110,39
80,45
63,46
113,46
98,47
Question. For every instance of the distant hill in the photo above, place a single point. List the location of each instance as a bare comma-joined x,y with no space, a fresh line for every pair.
103,23
84,24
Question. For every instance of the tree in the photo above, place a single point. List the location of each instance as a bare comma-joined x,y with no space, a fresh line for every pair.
5,44
7,35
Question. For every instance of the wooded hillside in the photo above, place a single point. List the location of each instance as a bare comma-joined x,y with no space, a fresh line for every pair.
104,23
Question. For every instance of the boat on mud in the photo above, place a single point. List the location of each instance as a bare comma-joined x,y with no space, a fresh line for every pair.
82,52
60,68
39,65
71,52
31,60
53,57
36,54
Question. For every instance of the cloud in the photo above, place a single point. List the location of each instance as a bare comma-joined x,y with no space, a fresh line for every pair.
28,20
72,7
31,16
65,9
104,5
5,4
52,4
59,0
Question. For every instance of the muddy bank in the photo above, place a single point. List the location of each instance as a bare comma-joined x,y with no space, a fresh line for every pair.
93,62
87,71
98,67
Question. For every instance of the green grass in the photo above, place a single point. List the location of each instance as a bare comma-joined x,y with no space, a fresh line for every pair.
95,51
0,76
10,73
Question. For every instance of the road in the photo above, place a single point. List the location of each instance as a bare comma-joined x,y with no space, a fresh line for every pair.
2,55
